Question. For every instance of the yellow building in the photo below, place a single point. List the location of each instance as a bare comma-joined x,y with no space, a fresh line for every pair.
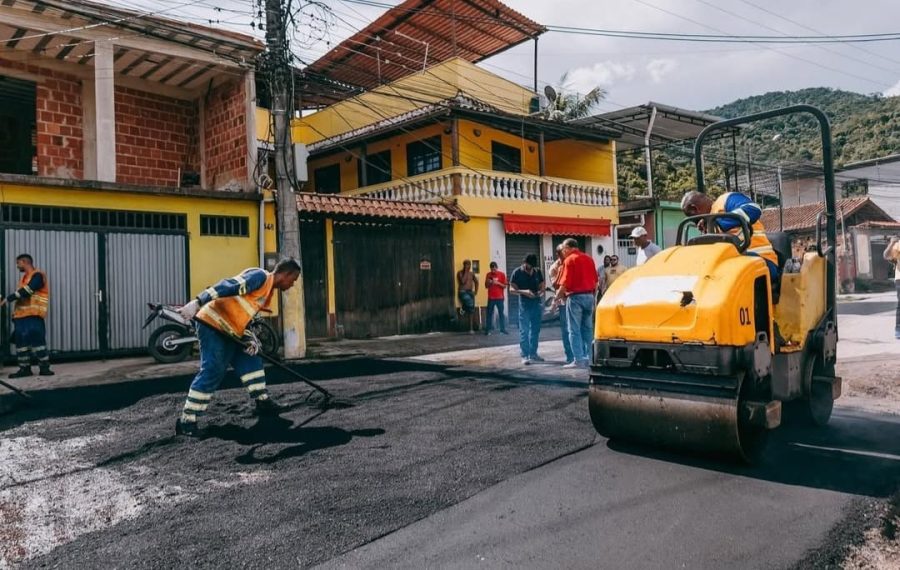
459,136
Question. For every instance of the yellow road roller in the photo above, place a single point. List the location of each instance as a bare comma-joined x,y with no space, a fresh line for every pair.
698,349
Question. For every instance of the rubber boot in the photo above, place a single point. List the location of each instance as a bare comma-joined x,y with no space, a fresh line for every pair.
190,429
45,371
268,407
22,372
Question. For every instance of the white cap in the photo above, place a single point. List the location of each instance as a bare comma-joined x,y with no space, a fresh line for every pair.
638,232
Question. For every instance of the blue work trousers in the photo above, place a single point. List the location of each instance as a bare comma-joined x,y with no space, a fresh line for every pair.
580,310
216,352
31,340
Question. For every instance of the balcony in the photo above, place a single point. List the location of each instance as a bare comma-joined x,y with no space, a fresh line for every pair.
491,184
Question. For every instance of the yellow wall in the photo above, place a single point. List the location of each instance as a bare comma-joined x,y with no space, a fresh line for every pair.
475,151
580,160
397,146
470,241
211,258
438,83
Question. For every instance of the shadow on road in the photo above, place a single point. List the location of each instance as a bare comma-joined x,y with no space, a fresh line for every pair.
854,454
278,430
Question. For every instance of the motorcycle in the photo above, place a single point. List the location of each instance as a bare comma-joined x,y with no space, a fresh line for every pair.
174,341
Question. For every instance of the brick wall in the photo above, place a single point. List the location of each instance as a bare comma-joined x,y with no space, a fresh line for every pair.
155,137
226,137
60,138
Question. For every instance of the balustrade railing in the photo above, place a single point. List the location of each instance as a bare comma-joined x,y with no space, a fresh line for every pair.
492,185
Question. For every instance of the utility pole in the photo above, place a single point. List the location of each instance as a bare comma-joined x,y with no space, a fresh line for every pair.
278,70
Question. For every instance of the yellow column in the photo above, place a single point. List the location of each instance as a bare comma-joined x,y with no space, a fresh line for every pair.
329,268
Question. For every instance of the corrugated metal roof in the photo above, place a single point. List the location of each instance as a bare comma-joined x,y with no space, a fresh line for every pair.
797,218
420,33
334,205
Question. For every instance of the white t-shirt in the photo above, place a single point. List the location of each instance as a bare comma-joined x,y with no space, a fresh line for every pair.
646,253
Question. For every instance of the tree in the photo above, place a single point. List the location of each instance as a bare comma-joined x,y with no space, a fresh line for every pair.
570,104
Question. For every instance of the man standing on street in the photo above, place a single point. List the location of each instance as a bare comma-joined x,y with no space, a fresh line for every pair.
222,313
528,283
496,284
612,272
555,279
892,254
578,286
468,289
646,248
32,299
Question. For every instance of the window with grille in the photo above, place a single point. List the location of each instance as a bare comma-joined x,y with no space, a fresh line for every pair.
91,218
230,226
423,156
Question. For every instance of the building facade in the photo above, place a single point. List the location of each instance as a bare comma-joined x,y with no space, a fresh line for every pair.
126,164
519,184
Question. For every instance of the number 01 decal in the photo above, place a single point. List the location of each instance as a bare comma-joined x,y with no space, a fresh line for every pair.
744,314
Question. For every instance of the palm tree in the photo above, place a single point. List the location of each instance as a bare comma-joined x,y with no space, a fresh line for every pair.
570,104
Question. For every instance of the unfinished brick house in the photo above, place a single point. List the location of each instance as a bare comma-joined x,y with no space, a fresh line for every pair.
127,147
142,101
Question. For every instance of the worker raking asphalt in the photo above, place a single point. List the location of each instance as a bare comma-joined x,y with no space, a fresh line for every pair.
221,314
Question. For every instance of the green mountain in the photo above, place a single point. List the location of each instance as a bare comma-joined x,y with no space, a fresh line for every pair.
863,127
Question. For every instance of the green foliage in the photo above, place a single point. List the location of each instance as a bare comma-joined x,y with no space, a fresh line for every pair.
863,127
570,105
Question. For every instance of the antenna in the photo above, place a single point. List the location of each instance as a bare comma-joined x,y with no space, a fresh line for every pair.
550,92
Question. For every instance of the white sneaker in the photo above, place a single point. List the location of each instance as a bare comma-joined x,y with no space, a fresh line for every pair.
526,361
571,365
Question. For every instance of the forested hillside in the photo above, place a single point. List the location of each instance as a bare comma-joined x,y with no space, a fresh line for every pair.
864,127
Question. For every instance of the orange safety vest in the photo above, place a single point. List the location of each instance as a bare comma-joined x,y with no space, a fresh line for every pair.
231,315
37,304
759,243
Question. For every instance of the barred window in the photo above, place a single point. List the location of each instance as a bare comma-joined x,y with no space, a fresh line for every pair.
91,218
233,226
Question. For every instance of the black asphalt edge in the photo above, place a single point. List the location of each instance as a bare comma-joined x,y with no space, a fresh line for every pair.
91,398
861,516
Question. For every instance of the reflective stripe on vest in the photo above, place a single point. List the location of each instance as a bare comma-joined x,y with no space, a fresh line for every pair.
759,243
231,315
38,303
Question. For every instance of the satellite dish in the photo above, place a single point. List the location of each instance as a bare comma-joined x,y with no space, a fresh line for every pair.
550,92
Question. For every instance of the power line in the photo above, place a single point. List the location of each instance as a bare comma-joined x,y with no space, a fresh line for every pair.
805,27
685,18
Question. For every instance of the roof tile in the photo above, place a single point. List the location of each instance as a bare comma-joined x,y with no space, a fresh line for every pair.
370,207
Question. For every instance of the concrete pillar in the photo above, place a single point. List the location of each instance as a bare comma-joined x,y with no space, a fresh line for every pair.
104,113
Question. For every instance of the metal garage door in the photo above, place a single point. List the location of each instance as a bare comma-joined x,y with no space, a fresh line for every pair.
141,268
517,247
70,259
393,278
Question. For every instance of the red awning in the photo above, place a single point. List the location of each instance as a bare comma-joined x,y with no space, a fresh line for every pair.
521,224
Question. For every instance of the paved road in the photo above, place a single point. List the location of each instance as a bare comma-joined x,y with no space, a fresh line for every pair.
614,506
438,465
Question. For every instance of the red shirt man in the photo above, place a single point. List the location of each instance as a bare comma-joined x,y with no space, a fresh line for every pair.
578,286
496,286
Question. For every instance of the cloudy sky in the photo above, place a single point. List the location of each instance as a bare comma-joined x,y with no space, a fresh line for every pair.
690,75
